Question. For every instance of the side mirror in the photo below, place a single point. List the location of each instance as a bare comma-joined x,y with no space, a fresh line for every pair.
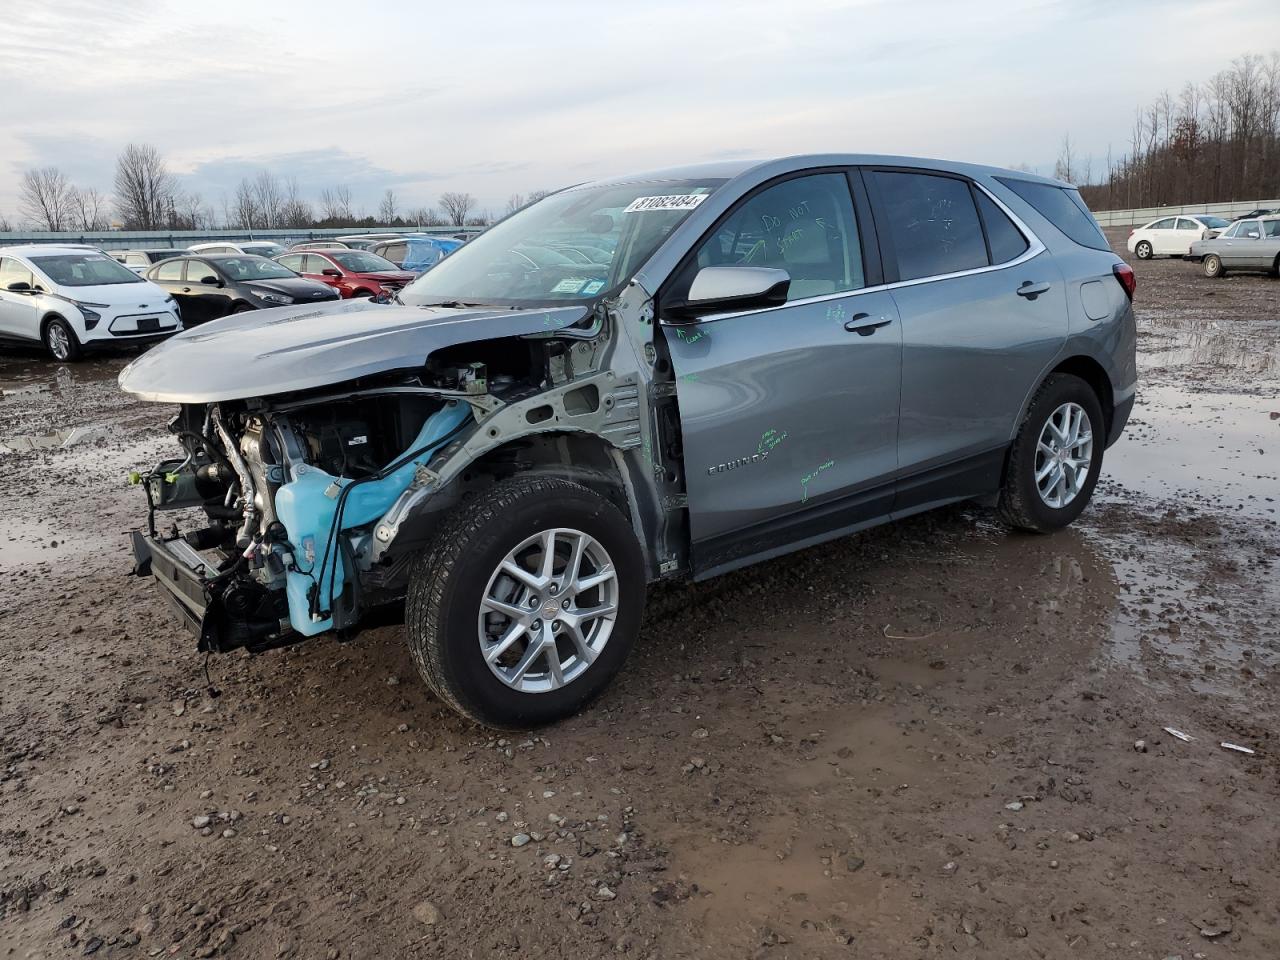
330,272
211,281
717,289
19,286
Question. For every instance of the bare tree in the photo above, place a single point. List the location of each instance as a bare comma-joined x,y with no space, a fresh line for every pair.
335,204
295,212
424,217
268,199
537,195
88,209
1063,167
5,225
244,211
45,196
387,208
456,206
514,203
1215,141
145,190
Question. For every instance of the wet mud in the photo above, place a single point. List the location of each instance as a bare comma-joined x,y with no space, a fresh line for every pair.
935,738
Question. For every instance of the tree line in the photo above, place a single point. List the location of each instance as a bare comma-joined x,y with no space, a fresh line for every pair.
147,196
1213,142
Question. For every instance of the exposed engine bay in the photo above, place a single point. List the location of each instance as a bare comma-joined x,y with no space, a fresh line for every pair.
292,488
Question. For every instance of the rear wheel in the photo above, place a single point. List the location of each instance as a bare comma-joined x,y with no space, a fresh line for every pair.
1143,250
527,603
362,293
243,308
1213,266
61,341
1055,458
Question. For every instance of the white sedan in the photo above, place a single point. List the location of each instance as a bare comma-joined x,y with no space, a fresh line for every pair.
1173,236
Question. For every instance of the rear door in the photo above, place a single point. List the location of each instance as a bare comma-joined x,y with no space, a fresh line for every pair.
789,414
983,310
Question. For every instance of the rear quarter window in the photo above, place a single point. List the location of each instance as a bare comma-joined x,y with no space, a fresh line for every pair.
1062,207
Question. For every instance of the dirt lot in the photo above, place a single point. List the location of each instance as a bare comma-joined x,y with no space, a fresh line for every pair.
914,742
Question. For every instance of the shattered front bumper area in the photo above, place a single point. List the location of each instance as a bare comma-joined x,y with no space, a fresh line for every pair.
202,603
290,499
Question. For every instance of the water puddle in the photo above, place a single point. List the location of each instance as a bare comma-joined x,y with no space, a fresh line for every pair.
1219,451
25,543
60,440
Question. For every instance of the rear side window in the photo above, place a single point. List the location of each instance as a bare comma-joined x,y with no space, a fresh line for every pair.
1065,210
933,224
170,271
1006,240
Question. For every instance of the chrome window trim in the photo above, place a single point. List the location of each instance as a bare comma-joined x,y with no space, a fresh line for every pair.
1034,248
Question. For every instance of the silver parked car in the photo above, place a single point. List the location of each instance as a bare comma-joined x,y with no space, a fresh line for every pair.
754,357
1252,245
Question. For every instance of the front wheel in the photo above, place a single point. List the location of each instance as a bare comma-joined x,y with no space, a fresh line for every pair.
61,341
1055,458
1213,266
527,602
1143,250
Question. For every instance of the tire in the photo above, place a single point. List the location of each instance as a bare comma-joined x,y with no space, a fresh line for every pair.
243,308
446,625
1213,266
362,293
1275,267
1022,503
61,341
1143,250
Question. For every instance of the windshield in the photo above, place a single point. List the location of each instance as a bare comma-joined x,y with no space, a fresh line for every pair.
253,268
262,249
571,247
84,270
358,262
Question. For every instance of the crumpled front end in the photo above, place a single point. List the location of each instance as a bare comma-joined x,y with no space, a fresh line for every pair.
291,496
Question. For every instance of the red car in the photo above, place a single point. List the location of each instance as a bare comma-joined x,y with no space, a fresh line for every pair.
353,273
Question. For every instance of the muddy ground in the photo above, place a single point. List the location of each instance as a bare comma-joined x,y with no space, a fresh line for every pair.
919,741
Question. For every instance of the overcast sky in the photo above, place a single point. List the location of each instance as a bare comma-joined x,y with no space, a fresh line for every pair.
500,98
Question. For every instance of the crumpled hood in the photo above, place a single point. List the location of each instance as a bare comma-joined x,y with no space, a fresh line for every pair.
265,352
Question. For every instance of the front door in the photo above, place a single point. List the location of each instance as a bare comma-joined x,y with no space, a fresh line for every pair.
789,414
203,288
983,312
19,311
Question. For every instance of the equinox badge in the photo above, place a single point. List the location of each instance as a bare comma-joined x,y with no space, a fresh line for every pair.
735,464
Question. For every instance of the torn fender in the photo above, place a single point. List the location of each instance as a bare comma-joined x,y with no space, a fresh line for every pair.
266,352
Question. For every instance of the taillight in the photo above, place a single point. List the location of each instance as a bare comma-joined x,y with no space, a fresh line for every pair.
1124,273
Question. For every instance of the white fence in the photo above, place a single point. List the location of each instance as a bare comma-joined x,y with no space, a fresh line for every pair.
1128,218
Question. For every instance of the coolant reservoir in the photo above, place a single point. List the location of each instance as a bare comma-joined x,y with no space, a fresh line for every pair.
307,504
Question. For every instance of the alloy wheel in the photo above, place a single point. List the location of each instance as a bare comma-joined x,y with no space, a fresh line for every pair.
59,344
1064,454
548,610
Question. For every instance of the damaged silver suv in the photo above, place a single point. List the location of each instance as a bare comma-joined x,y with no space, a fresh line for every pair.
666,375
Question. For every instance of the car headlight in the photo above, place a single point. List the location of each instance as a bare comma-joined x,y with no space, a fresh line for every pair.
90,315
275,298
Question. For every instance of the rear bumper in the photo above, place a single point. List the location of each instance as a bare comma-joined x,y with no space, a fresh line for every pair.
1120,417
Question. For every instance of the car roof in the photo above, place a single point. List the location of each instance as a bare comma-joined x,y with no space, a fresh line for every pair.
729,169
27,249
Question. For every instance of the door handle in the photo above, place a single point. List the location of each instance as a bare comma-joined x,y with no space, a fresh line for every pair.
1032,290
186,289
863,327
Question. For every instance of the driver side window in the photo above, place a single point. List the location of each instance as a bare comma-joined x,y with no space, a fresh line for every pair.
805,226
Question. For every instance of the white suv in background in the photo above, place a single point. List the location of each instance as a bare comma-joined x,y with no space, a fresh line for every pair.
71,299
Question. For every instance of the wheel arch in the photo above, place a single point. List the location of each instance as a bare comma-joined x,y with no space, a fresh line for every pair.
47,319
1091,372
